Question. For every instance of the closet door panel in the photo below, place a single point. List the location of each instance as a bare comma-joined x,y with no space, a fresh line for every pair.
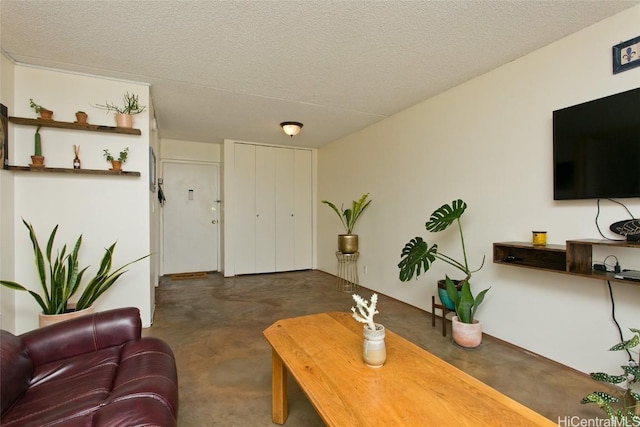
245,176
285,210
265,233
303,193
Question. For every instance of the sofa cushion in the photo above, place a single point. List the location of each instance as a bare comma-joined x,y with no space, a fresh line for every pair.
15,369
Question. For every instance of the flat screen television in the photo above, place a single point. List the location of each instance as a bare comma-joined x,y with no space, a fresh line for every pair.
596,148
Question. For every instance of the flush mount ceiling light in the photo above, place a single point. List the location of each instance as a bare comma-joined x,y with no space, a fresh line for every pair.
291,128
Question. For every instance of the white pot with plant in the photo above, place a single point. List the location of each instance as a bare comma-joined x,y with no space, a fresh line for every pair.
465,328
124,114
348,242
116,164
374,351
64,279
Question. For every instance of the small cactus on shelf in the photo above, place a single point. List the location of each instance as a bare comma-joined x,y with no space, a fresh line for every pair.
37,146
364,310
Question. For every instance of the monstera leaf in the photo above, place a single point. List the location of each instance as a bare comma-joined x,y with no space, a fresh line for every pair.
445,215
417,257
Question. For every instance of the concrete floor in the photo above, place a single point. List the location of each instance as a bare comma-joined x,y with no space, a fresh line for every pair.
214,326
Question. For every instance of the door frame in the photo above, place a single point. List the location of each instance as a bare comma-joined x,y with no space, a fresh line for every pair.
220,209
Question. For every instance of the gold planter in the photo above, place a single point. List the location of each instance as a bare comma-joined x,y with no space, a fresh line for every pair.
348,243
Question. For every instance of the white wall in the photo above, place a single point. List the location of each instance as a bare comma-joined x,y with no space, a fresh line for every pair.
489,142
103,209
7,296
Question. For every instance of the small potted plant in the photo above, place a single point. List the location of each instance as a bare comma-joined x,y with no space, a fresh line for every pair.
45,113
124,113
374,352
116,164
348,243
465,328
81,117
623,411
37,160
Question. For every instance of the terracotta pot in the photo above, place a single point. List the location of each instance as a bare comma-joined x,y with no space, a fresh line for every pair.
46,114
81,118
50,319
348,243
374,351
124,120
116,165
37,162
468,335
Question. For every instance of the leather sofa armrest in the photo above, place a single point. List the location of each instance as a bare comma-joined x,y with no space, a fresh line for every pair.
83,335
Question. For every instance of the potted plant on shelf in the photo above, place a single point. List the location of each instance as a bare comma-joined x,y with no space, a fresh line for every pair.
417,255
64,279
81,117
465,328
116,164
348,243
124,113
374,352
37,160
623,411
45,113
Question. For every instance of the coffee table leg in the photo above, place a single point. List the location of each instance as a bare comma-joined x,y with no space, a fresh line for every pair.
279,410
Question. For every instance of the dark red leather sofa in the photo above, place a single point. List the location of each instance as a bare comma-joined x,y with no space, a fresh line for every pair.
94,370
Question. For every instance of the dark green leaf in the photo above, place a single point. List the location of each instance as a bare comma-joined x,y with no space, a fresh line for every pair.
445,215
417,257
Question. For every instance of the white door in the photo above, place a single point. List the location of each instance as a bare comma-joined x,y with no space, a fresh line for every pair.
245,196
265,209
285,210
190,217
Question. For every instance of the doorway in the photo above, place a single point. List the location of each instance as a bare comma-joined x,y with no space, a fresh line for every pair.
190,217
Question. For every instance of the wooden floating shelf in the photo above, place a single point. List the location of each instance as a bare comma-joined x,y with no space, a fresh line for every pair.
74,171
574,258
75,126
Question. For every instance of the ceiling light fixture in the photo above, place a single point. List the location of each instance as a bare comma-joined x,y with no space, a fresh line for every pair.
291,128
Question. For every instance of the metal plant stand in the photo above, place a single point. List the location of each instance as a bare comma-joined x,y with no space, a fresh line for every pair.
347,272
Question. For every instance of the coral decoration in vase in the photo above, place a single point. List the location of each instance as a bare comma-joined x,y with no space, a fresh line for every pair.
374,352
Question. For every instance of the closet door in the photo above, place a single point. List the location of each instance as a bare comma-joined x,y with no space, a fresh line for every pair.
303,193
265,199
245,176
285,210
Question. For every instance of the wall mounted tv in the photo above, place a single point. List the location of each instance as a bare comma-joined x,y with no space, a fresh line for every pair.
596,148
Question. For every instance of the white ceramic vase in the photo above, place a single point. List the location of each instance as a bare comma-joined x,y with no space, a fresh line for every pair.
374,351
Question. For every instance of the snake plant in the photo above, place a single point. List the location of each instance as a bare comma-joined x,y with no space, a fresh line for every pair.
350,216
60,277
623,413
463,301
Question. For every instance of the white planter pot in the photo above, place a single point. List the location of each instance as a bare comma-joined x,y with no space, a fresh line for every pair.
50,319
374,351
468,335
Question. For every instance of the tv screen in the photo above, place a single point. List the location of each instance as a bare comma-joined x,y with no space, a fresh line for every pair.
596,148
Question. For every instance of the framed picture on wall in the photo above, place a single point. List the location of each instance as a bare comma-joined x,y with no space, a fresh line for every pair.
4,137
626,55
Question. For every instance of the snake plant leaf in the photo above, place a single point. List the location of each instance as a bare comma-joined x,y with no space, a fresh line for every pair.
606,378
417,257
630,343
445,215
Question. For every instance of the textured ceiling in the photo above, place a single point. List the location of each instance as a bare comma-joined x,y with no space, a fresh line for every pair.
236,69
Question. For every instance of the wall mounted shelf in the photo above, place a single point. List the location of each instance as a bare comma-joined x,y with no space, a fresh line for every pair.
574,258
73,126
74,171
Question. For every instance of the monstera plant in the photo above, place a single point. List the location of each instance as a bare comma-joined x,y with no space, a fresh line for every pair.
418,256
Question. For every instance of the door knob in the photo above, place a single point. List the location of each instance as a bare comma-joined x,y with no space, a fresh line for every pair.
215,221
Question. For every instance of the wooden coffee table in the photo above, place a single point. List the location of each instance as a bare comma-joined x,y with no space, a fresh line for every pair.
323,352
